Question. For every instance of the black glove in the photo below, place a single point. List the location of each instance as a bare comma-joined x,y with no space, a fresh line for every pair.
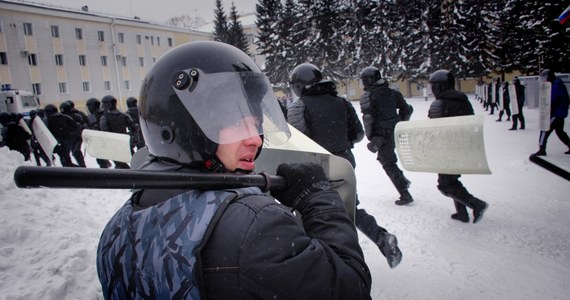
303,179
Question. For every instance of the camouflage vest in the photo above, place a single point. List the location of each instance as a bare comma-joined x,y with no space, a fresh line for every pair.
151,253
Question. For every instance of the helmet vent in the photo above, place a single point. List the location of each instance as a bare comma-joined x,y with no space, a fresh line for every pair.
166,134
182,80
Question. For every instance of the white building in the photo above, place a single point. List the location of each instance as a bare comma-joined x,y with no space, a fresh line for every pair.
65,54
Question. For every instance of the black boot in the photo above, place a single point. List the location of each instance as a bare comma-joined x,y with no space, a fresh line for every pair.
388,244
461,214
405,198
541,151
479,208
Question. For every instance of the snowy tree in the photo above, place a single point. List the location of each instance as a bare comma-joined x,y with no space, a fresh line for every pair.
220,23
186,21
269,39
236,37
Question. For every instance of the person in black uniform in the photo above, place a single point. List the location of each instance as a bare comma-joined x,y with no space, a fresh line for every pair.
115,121
15,136
382,108
520,104
137,140
66,109
95,114
37,150
205,108
63,128
450,103
331,122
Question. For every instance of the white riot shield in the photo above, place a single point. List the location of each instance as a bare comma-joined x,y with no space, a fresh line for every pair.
451,145
299,149
107,145
24,125
501,100
514,99
485,93
493,94
544,90
44,137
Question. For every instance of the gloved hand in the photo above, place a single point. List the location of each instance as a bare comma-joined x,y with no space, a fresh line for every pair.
303,179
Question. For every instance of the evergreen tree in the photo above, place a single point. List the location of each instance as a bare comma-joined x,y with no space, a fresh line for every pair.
269,39
220,23
236,37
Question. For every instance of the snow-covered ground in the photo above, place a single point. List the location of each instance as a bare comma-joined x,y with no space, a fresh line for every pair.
520,249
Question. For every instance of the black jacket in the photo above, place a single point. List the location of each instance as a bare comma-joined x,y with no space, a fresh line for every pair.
382,108
63,127
329,120
451,103
116,121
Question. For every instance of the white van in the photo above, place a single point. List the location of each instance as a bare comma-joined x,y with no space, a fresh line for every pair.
18,101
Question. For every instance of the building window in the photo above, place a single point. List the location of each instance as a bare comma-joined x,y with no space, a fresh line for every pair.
54,31
32,59
139,39
169,42
152,40
86,86
101,36
121,37
153,59
63,88
36,88
123,61
82,60
103,60
107,85
59,59
141,61
28,29
158,41
3,58
79,33
127,85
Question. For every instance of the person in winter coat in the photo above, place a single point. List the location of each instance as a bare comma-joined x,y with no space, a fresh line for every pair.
506,102
37,150
382,108
115,121
64,129
15,136
331,122
559,103
450,103
66,109
95,114
234,243
137,140
520,104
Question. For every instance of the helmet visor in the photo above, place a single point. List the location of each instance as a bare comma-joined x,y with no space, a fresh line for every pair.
223,100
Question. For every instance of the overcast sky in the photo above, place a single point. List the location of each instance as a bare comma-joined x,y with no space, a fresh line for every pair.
154,10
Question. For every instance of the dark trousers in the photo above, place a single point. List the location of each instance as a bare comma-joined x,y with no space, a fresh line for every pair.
556,125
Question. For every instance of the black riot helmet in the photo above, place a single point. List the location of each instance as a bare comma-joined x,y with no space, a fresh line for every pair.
50,109
441,80
132,102
109,102
369,76
304,77
65,107
198,88
93,104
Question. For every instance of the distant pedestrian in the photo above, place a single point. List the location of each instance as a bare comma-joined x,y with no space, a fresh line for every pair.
505,108
15,136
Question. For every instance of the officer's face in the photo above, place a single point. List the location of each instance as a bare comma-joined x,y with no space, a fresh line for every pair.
240,154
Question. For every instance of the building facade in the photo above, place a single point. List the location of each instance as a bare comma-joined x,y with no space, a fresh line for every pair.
65,54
